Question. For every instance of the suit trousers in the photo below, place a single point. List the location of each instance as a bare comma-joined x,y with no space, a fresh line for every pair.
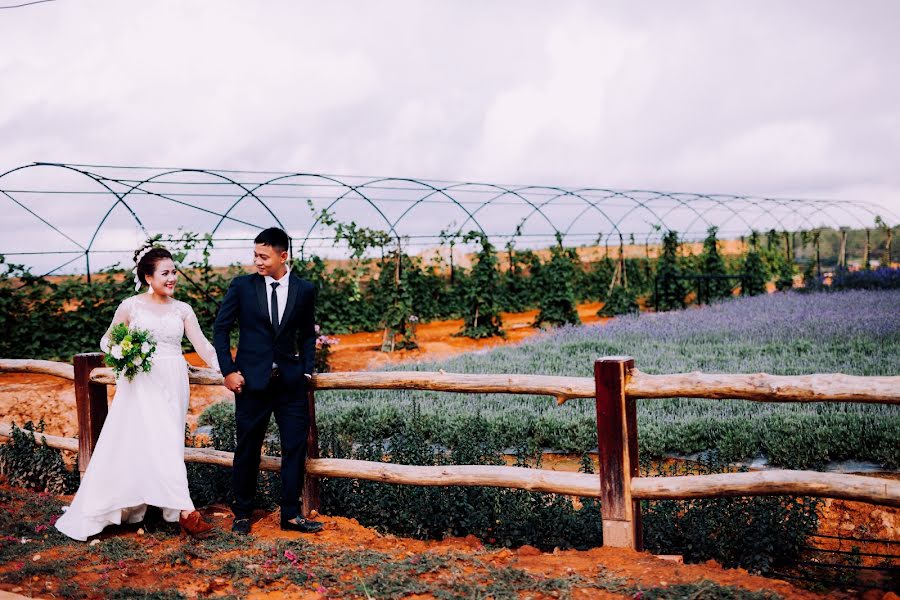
253,411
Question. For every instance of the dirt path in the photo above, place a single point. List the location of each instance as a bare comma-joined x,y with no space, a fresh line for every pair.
345,561
362,351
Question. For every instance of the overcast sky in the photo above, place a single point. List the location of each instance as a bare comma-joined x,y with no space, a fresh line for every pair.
784,98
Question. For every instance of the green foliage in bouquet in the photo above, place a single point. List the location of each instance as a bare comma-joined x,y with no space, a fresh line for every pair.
130,351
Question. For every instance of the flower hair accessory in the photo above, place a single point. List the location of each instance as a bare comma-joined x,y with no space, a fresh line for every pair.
137,260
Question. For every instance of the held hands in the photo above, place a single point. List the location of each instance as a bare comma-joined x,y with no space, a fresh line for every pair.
235,382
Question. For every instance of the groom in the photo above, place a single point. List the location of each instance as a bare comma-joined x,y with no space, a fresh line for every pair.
275,313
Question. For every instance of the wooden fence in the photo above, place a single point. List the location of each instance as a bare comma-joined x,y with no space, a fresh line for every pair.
615,387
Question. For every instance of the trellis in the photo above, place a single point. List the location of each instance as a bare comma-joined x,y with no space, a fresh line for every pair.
90,216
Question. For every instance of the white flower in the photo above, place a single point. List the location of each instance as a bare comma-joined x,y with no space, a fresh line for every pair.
145,348
137,361
116,351
104,344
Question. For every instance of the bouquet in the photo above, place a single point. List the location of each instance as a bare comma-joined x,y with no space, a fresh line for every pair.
130,351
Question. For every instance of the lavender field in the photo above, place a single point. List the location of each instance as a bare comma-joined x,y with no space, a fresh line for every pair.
854,332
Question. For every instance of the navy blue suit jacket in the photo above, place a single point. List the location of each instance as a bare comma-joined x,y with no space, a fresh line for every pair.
292,347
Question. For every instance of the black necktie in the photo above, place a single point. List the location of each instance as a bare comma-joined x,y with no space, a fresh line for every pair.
275,284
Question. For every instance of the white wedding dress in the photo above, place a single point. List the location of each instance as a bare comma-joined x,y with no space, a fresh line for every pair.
139,457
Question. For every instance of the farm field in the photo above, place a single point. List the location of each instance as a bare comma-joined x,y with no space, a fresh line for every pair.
850,332
788,334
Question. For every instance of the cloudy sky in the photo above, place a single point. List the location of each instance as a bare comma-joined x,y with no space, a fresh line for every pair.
784,98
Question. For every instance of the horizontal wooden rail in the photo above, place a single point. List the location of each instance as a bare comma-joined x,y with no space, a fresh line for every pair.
757,483
762,387
42,367
770,483
759,387
62,443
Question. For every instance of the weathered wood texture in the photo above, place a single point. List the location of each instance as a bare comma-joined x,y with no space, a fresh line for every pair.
759,387
42,367
197,375
92,405
563,388
618,453
758,483
762,387
62,443
770,483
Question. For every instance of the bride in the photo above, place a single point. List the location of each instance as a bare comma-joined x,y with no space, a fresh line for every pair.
139,457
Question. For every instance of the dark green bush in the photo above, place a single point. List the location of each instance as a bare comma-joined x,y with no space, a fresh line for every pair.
766,532
762,533
31,464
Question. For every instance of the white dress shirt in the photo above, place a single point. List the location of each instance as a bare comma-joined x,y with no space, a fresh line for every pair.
281,292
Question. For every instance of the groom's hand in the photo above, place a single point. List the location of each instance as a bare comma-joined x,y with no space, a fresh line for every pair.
234,382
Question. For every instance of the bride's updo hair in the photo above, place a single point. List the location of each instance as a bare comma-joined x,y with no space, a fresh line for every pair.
146,258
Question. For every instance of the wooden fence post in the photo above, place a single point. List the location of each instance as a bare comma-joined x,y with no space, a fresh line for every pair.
310,500
617,443
91,404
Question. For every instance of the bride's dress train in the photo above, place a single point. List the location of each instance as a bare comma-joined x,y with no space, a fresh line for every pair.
139,457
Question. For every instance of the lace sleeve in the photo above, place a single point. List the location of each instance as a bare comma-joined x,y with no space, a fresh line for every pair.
121,316
198,340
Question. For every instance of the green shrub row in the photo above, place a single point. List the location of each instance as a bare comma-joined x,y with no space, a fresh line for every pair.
769,532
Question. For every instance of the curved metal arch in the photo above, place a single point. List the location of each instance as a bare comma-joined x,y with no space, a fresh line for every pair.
429,194
503,192
561,194
821,208
754,202
797,212
815,210
800,212
391,226
434,190
265,183
119,200
37,216
205,172
861,206
615,193
671,196
714,198
783,203
884,210
350,189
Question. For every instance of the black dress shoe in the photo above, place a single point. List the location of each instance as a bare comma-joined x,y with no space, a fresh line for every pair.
301,525
241,526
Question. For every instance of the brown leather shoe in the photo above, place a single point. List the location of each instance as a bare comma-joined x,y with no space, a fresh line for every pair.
194,525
